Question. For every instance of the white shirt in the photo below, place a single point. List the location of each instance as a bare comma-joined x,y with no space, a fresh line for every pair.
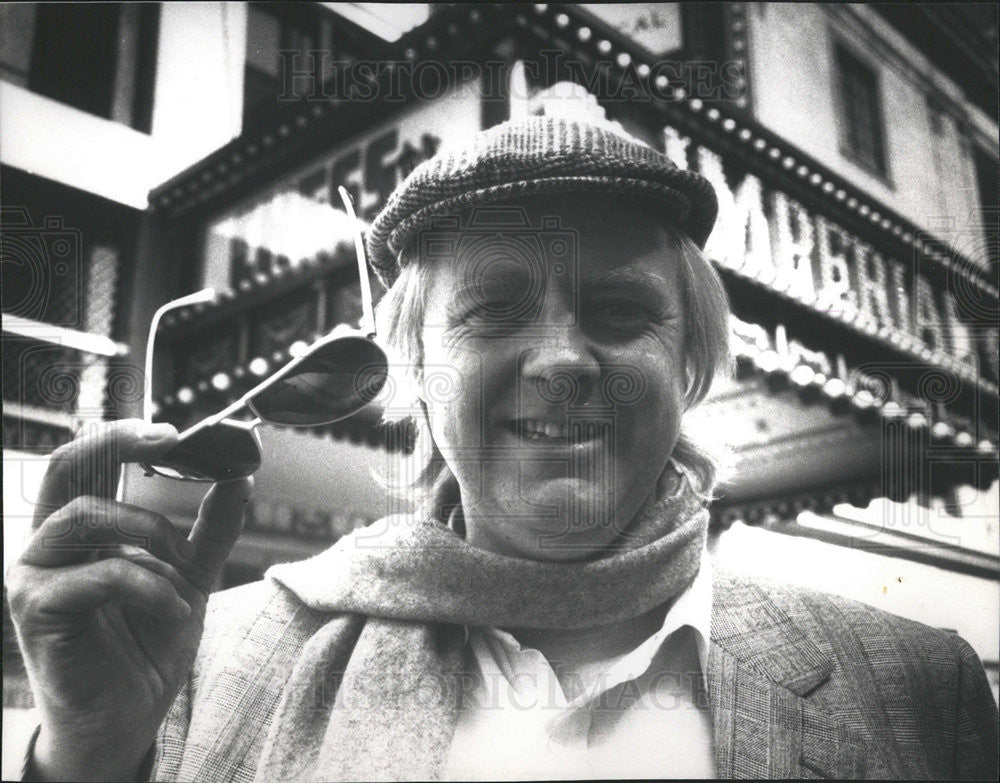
643,714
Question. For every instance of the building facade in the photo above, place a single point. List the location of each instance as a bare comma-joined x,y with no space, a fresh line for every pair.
96,108
854,150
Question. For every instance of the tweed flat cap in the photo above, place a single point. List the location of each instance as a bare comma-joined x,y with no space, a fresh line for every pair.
534,155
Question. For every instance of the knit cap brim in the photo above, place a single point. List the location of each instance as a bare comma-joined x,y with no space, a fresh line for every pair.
531,156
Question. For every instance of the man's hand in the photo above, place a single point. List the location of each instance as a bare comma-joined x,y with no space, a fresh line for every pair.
109,602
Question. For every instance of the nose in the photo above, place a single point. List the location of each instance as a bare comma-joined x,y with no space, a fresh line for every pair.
562,364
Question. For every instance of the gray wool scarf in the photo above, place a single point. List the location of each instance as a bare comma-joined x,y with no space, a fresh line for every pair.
375,692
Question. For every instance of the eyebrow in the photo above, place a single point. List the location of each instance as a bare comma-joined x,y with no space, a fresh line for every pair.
628,277
640,283
491,280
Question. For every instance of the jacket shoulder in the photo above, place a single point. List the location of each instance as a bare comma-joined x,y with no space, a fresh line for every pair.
921,692
822,616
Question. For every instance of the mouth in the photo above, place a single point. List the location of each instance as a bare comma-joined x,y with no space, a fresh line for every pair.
542,432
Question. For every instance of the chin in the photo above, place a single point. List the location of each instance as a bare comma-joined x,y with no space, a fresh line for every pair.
576,523
582,501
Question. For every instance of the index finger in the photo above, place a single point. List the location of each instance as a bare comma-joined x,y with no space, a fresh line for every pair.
219,524
90,464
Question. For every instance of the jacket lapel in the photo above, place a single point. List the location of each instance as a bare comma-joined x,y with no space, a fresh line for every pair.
761,669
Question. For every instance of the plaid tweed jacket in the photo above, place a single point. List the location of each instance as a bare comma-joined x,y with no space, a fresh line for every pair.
801,685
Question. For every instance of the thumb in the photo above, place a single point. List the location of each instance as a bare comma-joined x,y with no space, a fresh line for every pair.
219,524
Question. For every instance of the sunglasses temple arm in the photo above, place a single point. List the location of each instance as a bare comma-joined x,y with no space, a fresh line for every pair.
229,410
367,310
368,313
147,392
205,295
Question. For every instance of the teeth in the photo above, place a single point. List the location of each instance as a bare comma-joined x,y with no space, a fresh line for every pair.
535,430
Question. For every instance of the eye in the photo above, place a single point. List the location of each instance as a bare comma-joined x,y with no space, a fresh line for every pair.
620,311
620,317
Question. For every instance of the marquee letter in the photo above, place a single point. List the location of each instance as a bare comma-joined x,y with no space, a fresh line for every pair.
741,237
837,292
873,289
793,237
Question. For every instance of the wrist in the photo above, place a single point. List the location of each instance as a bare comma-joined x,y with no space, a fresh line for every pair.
54,757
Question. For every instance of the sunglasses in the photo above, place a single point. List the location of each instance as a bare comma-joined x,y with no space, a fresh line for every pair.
332,379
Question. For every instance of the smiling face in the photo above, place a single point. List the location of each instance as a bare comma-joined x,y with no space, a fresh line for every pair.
564,343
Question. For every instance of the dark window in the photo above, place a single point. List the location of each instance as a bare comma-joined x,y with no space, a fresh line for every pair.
73,59
308,41
17,29
861,112
271,31
97,57
67,262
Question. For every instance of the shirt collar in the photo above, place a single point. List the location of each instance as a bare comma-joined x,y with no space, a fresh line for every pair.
692,608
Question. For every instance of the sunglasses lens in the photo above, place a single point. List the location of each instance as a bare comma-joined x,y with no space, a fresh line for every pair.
217,453
334,382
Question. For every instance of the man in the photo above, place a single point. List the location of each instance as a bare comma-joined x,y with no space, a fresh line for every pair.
554,557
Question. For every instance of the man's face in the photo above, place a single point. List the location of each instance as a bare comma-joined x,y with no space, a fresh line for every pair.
563,342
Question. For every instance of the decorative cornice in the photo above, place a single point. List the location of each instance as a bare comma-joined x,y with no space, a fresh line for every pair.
815,387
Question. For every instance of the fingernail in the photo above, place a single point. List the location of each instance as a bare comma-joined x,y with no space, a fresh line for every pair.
185,548
182,608
156,431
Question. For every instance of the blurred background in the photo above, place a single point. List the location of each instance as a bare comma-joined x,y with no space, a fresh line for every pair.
149,150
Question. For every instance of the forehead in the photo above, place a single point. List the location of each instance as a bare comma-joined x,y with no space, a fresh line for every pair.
579,237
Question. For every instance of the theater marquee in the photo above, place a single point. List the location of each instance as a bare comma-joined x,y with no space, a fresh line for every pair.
765,235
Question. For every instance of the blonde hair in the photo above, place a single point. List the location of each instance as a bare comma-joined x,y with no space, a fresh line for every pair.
424,475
